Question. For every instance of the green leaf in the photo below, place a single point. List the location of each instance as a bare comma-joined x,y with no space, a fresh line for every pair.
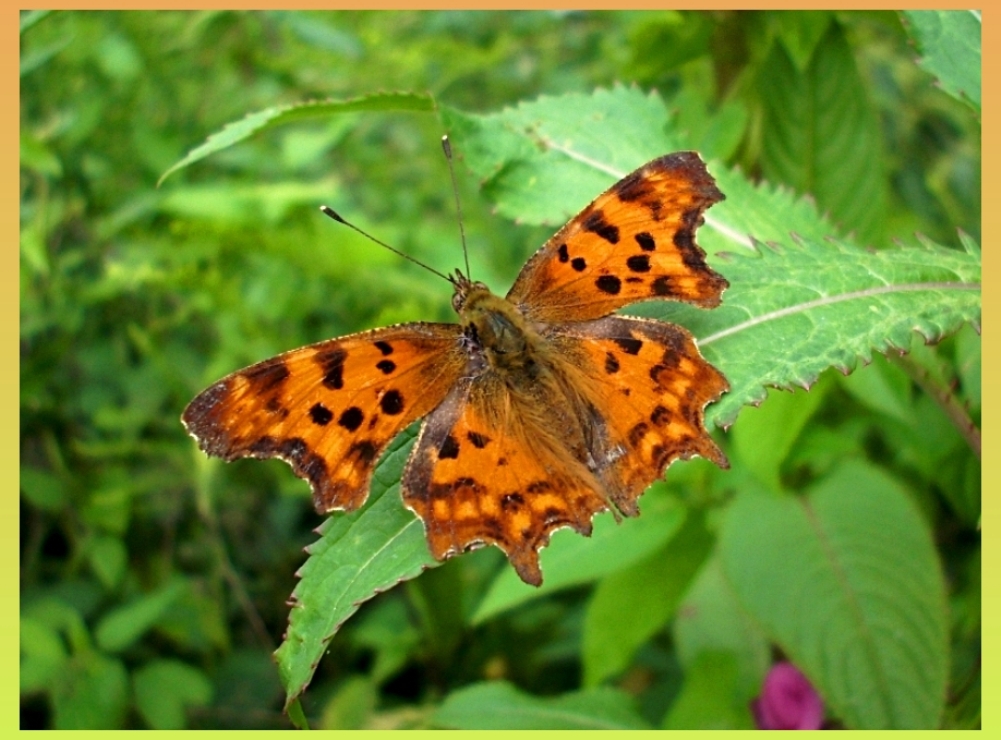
43,655
792,312
541,162
351,706
822,136
43,489
631,605
571,560
500,706
90,694
108,559
121,627
766,434
800,33
269,118
359,555
711,621
710,697
544,160
949,41
847,582
164,688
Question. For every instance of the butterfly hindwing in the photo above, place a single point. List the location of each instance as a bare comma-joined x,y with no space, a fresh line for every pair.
649,385
498,467
330,409
634,242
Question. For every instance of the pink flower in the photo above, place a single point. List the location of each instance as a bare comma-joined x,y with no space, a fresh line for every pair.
788,701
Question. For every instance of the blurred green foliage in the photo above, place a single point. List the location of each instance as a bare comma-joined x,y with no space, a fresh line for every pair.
154,581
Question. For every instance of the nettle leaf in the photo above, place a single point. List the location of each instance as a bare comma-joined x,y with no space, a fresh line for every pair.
795,310
280,115
949,41
821,135
358,556
847,582
542,161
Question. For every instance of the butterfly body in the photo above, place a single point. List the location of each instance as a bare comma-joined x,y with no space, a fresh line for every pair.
540,408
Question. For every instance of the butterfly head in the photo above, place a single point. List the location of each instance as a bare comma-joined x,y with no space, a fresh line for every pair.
464,287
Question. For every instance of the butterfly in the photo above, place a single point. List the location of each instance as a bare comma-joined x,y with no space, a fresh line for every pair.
540,409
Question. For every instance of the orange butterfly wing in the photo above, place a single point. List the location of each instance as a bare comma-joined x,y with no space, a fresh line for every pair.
650,386
503,466
330,409
634,242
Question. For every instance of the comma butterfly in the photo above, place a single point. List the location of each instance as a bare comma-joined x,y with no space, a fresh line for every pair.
540,409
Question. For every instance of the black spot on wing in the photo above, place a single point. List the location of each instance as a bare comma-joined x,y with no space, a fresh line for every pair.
266,377
596,224
564,255
449,449
386,366
332,363
660,416
611,363
320,414
579,264
646,241
511,501
629,345
385,347
364,451
609,284
662,286
479,440
633,187
391,402
637,433
351,418
639,263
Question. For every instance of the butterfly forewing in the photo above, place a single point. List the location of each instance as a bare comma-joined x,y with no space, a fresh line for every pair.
634,242
330,409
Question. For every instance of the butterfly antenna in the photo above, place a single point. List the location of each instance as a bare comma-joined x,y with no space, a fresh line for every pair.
447,148
340,219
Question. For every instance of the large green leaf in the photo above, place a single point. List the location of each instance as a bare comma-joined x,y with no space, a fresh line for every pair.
632,604
821,135
500,706
792,312
949,41
359,555
847,582
711,621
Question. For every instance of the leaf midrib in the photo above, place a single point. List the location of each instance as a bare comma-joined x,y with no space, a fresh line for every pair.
832,299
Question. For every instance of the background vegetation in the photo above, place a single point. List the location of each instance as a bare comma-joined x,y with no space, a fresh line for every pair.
154,581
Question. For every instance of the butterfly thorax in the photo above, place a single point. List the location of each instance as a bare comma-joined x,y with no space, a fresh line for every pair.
498,330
